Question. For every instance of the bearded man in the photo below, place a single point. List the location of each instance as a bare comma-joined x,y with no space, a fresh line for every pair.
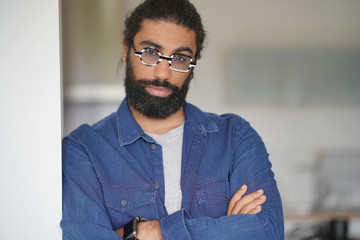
159,167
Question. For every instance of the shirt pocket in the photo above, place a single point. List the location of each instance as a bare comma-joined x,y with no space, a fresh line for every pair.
126,198
213,197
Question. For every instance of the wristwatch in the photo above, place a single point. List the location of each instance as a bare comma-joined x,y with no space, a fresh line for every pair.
130,228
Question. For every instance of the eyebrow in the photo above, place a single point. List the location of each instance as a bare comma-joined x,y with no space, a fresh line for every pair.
158,46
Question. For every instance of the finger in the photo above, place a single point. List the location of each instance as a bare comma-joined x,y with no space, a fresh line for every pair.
256,210
246,209
238,195
245,200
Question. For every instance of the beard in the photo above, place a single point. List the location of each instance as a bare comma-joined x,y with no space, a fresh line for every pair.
149,105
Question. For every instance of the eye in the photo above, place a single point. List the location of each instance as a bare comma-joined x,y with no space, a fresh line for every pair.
151,52
181,58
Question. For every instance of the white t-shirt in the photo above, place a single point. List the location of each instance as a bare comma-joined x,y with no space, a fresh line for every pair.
171,144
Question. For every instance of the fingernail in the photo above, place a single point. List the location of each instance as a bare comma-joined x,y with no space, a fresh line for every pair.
243,186
260,191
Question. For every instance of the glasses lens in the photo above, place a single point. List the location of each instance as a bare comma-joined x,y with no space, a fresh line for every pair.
150,56
180,62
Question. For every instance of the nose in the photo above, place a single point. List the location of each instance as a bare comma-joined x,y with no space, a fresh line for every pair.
162,70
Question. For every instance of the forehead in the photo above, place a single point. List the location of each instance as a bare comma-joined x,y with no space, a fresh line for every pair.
168,35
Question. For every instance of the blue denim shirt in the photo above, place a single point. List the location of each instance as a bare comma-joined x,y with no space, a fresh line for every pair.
113,171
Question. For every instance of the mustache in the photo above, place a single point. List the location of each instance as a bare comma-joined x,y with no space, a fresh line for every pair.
158,83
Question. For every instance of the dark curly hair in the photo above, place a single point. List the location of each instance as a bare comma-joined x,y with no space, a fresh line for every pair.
180,12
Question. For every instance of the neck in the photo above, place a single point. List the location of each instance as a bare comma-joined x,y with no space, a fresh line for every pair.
158,126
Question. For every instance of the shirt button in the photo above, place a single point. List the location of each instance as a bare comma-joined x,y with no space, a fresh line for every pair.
157,185
123,202
153,146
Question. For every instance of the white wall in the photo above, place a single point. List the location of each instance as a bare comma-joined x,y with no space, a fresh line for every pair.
30,122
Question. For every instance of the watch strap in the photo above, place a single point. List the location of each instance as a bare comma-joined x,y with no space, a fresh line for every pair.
130,229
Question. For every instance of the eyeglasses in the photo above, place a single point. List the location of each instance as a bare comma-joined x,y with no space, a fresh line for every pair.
178,62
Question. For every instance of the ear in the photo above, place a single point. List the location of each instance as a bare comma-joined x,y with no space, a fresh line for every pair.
125,49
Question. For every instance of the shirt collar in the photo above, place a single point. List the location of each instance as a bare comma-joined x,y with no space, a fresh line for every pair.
129,130
199,121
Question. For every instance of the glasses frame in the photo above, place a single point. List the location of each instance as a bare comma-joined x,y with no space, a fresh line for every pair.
163,57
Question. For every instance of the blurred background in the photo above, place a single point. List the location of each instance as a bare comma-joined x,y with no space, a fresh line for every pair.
291,68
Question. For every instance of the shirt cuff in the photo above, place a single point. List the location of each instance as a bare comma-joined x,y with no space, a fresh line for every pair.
173,226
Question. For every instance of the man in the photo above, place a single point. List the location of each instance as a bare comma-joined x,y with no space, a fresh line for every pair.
190,174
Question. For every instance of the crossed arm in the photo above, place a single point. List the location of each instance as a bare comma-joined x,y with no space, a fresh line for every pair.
239,204
85,216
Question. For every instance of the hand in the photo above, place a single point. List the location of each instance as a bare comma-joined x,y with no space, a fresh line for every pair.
248,204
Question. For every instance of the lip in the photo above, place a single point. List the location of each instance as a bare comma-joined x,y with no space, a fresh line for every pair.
158,91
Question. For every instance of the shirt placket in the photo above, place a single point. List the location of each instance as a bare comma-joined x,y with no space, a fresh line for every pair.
191,169
158,176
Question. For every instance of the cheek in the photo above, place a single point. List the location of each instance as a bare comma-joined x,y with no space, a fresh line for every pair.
179,78
142,71
181,81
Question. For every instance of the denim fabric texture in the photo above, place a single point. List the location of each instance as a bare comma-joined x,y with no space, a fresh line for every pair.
113,172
